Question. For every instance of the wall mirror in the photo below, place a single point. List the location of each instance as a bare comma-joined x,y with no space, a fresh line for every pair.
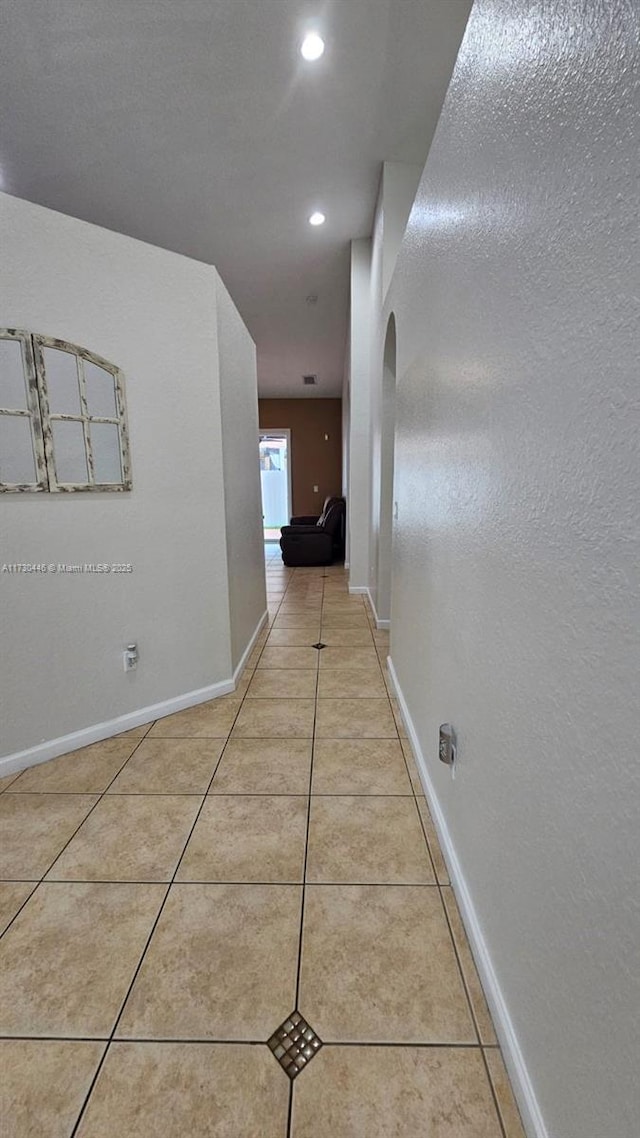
63,424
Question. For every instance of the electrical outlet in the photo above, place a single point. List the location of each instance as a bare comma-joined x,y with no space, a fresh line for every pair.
447,745
130,657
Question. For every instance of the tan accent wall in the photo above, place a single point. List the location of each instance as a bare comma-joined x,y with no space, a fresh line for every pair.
315,461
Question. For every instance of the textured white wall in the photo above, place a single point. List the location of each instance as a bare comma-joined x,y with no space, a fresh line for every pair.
346,440
243,504
398,186
153,314
374,383
398,190
359,504
385,522
516,607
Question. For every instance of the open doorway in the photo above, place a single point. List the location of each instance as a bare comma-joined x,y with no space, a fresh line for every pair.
275,480
387,457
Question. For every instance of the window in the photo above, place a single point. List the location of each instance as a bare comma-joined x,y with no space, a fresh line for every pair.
22,461
62,417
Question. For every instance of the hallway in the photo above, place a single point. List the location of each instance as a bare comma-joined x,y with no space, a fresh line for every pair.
193,894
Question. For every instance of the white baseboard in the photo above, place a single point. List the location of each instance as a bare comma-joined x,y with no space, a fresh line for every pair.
250,646
363,590
522,1086
52,748
381,624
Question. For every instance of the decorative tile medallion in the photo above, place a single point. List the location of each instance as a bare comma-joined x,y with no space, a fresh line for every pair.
294,1044
319,646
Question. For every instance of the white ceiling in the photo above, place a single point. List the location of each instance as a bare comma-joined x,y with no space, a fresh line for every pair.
196,125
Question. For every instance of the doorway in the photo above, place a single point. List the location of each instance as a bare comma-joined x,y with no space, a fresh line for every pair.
387,458
275,480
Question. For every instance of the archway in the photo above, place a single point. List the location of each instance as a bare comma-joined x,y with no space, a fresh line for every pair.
387,441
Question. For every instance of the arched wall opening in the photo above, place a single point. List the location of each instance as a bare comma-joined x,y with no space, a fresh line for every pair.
387,448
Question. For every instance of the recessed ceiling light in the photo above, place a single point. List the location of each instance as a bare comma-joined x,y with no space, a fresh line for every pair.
312,47
317,218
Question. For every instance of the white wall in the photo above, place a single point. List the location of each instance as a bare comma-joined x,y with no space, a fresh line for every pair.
382,522
397,194
243,507
371,445
375,296
152,313
359,504
516,597
346,440
398,185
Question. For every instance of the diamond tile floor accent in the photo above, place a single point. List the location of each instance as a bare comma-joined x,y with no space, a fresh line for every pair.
168,896
294,1044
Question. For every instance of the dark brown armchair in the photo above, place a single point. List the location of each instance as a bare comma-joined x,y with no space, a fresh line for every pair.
309,540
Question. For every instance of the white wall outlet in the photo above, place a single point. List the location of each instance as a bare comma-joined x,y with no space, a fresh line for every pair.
130,657
447,745
315,489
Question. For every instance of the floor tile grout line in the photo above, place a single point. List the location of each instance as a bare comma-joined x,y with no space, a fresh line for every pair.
150,936
289,1129
251,793
421,822
9,881
92,1084
493,1093
439,885
235,793
228,737
231,1042
41,880
289,1125
424,1045
208,881
444,907
306,840
5,788
465,985
308,796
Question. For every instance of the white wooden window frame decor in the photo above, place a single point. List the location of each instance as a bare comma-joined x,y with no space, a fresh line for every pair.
31,412
42,417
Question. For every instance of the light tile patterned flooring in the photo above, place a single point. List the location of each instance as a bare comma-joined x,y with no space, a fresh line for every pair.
171,896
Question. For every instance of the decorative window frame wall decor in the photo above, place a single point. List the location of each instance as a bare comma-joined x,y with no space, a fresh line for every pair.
95,408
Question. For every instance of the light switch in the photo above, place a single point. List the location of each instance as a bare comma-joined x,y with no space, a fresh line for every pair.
315,489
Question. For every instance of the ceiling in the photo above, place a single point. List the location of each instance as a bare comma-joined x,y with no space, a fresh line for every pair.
196,125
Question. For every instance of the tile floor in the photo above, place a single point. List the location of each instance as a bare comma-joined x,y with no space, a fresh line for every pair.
171,897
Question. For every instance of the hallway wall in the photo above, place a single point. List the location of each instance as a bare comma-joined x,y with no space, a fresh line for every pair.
370,279
242,497
360,422
516,607
153,313
315,461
